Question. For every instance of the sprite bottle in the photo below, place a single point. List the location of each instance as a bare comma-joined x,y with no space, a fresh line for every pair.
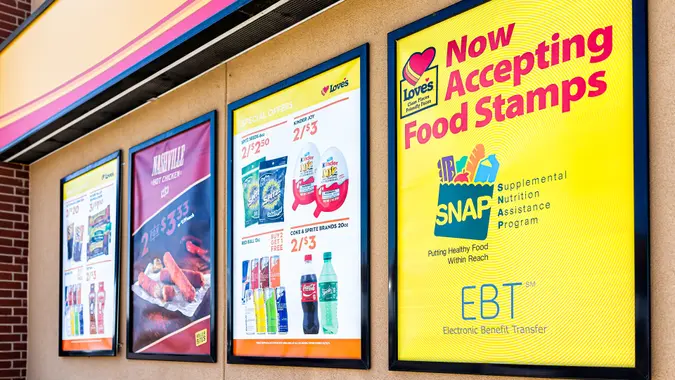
328,296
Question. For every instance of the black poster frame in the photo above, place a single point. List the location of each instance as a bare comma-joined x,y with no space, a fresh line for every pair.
641,209
213,336
117,239
363,363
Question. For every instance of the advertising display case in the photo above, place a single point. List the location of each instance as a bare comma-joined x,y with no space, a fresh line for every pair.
172,245
89,259
519,196
298,273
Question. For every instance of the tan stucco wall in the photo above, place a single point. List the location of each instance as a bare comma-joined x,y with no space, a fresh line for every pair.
346,26
35,4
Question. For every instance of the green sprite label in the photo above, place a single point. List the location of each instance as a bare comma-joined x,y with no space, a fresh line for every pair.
328,291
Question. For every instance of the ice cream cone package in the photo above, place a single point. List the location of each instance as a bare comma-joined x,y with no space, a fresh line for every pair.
304,178
331,191
249,180
272,188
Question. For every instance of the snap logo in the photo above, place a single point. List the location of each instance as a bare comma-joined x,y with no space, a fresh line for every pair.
465,195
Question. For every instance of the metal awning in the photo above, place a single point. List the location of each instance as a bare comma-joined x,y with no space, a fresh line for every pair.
236,32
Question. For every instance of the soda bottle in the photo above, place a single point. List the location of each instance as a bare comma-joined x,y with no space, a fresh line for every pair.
310,320
255,274
249,312
259,303
245,280
328,296
75,319
275,272
282,313
71,308
271,310
80,308
73,312
265,272
92,309
67,312
100,297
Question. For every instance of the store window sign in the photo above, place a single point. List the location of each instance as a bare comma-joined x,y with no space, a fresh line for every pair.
172,240
299,220
515,145
89,260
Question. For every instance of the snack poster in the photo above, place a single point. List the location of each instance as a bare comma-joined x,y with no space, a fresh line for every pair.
298,273
89,259
172,250
519,208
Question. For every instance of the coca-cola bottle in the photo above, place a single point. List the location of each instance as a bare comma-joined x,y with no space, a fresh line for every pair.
92,309
310,321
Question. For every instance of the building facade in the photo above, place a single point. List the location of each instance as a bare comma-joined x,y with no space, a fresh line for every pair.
241,48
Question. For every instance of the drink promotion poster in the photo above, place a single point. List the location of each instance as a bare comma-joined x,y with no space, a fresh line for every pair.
172,250
298,221
519,227
89,264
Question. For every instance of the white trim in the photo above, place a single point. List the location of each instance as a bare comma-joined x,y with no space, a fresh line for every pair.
188,56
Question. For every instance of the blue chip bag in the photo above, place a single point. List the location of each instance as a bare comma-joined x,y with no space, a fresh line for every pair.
272,179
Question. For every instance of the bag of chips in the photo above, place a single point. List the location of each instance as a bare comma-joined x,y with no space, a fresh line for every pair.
272,187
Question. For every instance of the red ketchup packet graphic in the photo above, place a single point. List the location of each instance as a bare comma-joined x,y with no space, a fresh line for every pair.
304,177
331,191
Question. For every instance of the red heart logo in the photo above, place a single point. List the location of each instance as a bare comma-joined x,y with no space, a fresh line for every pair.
417,64
427,79
324,90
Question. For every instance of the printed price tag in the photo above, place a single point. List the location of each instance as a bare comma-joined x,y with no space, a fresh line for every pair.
201,337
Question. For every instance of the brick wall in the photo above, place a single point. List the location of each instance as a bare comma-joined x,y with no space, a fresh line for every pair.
12,14
13,270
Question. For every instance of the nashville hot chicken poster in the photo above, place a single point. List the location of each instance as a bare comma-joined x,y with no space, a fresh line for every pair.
172,245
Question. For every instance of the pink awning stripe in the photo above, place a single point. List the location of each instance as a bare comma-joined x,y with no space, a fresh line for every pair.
19,127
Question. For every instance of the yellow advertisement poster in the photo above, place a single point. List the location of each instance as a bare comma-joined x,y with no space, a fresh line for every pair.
89,256
514,170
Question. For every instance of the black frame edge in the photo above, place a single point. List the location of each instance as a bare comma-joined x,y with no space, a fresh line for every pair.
210,117
361,52
117,155
642,369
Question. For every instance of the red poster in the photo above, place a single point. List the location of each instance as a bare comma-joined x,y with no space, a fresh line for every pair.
172,269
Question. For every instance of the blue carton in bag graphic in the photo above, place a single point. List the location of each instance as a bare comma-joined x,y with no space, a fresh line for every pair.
463,210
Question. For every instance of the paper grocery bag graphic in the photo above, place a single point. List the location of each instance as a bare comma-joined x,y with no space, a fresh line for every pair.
463,210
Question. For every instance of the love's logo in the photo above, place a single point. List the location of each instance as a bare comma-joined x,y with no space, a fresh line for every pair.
418,86
417,64
334,87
